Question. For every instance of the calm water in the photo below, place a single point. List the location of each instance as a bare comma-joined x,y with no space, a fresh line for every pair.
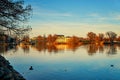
64,62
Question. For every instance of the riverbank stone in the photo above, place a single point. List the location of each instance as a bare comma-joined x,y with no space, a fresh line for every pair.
7,72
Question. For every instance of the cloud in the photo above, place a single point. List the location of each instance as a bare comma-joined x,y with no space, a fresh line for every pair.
53,14
114,17
94,15
117,17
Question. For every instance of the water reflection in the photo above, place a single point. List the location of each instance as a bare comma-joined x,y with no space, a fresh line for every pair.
91,49
4,48
108,49
25,48
112,50
55,48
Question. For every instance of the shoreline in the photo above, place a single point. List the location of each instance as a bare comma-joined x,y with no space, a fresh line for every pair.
7,72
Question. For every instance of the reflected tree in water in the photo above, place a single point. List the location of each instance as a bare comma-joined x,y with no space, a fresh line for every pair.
39,47
112,49
119,46
25,48
101,49
4,48
92,49
52,48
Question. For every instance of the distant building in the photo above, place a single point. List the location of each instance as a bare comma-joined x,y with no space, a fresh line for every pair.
62,39
67,39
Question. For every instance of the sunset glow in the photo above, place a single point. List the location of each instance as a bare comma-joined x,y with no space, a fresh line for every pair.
74,17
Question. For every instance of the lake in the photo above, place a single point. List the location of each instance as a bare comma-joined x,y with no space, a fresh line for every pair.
65,62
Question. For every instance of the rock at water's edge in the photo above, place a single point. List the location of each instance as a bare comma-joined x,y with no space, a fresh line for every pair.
7,72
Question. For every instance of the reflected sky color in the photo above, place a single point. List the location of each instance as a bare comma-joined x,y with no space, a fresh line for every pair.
74,17
66,64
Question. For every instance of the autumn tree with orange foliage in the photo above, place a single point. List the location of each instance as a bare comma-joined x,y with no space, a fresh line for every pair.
51,39
39,39
74,40
91,37
26,39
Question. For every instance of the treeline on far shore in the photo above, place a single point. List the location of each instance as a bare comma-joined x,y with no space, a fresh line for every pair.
92,38
55,42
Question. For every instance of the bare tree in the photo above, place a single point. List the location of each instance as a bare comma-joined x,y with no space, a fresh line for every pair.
91,36
101,36
13,15
111,35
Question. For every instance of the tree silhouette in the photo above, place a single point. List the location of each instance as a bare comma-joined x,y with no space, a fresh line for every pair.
101,36
91,36
111,35
13,14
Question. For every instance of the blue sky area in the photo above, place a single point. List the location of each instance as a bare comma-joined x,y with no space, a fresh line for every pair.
74,17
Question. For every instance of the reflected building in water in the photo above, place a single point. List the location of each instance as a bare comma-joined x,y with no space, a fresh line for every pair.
91,49
54,48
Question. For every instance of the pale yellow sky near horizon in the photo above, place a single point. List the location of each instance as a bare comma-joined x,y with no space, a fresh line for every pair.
71,29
